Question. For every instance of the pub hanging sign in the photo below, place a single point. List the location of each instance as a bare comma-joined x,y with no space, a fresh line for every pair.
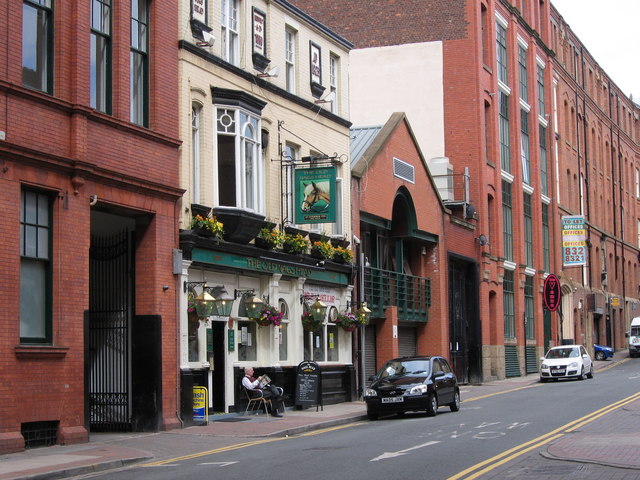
315,195
552,292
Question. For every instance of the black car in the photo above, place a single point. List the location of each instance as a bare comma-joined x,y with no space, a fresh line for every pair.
412,384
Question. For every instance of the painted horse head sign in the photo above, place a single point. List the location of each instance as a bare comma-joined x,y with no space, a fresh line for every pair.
315,194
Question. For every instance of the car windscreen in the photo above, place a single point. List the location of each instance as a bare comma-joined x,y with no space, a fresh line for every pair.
409,367
563,353
635,331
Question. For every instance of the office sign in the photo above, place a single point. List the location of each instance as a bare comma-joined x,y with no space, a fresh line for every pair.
574,241
315,195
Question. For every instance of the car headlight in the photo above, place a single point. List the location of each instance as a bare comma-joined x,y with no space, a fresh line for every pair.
544,365
418,390
370,392
573,364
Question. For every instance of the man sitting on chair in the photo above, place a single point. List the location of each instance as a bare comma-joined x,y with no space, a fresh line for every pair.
269,391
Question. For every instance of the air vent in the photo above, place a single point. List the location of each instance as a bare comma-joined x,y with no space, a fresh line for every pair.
39,434
403,170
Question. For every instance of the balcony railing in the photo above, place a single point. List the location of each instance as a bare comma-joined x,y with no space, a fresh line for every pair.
412,295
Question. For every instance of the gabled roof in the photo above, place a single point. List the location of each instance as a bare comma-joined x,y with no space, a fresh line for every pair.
368,142
360,139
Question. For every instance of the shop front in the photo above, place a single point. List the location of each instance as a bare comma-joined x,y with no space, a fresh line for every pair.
270,293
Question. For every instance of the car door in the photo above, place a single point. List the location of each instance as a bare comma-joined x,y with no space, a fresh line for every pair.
586,359
442,380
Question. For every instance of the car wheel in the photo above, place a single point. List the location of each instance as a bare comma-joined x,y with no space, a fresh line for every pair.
600,356
582,375
455,405
372,416
590,374
432,405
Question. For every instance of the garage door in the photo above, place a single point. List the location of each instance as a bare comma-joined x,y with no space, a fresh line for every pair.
407,341
369,351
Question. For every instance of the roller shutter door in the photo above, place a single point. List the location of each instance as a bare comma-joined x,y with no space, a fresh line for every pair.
407,341
369,352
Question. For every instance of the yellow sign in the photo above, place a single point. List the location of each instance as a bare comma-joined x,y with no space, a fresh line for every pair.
615,301
200,404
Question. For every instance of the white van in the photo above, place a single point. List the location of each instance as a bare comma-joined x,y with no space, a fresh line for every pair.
634,338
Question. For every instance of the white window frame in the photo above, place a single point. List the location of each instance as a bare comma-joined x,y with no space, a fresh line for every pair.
241,141
196,117
334,65
230,31
290,42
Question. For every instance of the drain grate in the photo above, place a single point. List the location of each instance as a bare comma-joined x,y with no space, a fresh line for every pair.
39,434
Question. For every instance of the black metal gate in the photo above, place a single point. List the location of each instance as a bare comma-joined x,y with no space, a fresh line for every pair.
110,302
458,352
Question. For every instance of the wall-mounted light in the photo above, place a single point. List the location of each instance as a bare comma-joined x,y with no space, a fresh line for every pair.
207,40
483,240
272,73
252,303
206,304
364,311
318,309
328,98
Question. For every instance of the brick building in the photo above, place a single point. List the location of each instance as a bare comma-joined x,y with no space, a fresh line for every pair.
89,188
504,113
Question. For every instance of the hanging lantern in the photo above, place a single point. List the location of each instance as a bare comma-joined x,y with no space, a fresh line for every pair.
318,310
364,312
253,304
224,303
205,304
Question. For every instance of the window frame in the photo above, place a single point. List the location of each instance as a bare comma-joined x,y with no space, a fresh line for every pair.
290,46
104,79
546,239
529,308
502,52
522,68
504,131
139,64
46,320
508,292
527,208
334,72
230,31
525,149
43,73
196,159
507,220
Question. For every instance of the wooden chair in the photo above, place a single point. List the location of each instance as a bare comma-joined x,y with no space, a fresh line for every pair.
255,400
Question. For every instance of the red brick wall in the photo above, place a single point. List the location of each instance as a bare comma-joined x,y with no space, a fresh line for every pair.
59,144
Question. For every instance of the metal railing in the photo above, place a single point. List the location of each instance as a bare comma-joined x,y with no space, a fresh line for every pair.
412,295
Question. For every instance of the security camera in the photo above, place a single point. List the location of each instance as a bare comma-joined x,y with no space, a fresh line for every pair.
320,263
208,40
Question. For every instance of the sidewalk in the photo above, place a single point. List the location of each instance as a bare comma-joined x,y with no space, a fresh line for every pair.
108,451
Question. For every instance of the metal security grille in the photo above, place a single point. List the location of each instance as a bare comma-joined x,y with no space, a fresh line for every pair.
39,434
109,312
407,341
512,364
532,360
369,352
412,295
403,170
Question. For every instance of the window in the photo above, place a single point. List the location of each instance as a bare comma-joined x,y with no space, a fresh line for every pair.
37,45
139,63
290,60
505,155
544,180
333,335
282,331
337,227
541,100
522,65
333,80
230,43
501,52
314,345
196,112
35,268
247,331
529,309
528,230
546,252
507,220
485,34
637,183
524,146
291,154
239,158
101,55
509,305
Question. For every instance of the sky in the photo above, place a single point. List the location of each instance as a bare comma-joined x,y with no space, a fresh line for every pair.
610,30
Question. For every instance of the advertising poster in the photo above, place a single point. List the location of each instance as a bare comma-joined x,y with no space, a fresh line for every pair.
315,193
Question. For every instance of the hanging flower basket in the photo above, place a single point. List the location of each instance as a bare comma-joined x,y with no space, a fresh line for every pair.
268,238
309,323
342,255
321,250
269,315
348,321
207,226
294,244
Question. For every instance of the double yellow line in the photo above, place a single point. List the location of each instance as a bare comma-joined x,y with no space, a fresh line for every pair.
504,457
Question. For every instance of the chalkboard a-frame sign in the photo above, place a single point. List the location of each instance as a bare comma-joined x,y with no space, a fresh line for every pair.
308,385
